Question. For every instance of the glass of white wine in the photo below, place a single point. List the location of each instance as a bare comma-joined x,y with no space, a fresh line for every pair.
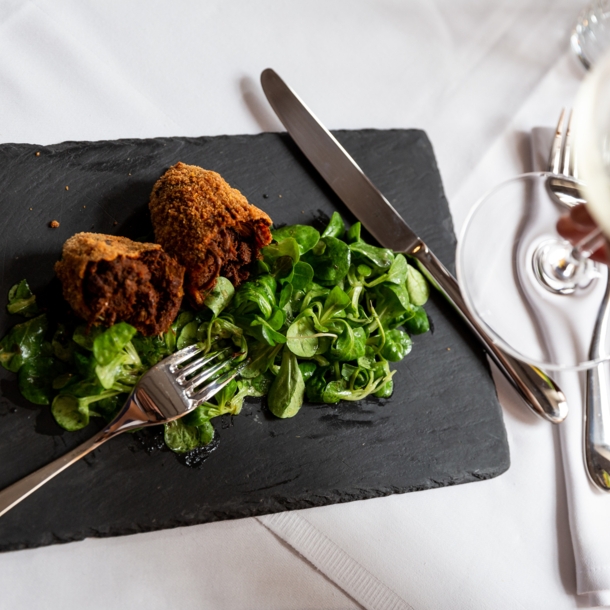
537,295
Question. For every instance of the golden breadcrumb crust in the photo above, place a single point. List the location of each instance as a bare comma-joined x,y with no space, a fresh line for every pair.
83,248
198,218
190,205
81,255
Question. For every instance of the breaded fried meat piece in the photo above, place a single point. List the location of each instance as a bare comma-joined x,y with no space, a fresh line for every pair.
107,279
208,226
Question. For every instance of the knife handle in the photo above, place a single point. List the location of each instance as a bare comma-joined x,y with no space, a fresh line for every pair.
538,390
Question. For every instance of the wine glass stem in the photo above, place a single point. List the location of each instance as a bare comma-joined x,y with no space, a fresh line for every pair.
588,245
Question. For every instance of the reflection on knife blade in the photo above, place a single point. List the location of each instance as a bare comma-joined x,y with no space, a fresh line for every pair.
388,227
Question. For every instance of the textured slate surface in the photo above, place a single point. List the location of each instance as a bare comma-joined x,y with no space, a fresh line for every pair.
443,425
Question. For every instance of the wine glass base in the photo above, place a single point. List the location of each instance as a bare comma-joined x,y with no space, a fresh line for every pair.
555,270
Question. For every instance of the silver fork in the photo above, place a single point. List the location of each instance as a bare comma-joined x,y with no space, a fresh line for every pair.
562,185
169,390
564,189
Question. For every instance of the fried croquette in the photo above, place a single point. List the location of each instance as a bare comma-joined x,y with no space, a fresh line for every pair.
106,279
208,226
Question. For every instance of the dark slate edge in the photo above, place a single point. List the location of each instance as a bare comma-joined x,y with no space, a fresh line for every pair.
278,506
274,504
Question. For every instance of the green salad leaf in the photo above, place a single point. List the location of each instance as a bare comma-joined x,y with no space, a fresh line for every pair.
396,346
320,319
417,286
335,227
305,236
288,388
220,296
302,338
70,412
332,262
36,377
22,301
181,437
22,342
110,343
365,253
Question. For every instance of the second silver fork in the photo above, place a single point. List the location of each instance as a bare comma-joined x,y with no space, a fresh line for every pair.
563,187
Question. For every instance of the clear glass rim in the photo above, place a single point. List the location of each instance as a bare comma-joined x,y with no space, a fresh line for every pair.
495,338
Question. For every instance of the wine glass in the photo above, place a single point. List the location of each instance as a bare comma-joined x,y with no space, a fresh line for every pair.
537,295
591,34
516,279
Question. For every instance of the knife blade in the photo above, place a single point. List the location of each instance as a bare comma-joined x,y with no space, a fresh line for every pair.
388,227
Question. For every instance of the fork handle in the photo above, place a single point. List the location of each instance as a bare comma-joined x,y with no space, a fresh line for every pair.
536,388
13,494
597,403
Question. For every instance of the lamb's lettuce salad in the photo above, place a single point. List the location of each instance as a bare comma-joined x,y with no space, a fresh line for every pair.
320,321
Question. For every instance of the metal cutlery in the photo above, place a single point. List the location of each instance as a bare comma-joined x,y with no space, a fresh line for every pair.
597,404
169,390
386,225
562,185
596,416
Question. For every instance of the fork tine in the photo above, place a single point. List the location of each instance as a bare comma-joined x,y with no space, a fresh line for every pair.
567,160
183,355
556,148
573,161
191,384
189,369
215,386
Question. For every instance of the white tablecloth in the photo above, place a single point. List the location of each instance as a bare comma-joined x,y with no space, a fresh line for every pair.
477,76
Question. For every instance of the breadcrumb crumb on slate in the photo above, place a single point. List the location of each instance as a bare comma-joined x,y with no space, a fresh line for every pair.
208,226
54,224
106,278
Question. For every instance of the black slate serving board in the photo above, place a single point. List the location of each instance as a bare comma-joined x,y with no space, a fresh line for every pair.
442,426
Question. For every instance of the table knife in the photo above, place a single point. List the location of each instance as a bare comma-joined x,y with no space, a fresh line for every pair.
388,227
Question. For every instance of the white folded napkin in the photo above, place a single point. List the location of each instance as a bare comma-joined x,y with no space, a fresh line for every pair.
588,507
